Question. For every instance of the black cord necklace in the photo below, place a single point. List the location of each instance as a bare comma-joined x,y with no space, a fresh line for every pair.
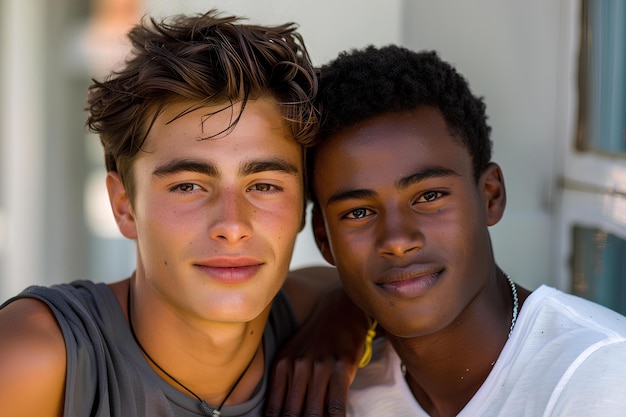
204,407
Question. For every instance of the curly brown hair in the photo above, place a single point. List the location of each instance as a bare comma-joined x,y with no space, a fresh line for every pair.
207,59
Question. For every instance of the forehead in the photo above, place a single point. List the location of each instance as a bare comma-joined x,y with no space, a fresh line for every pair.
220,132
387,148
213,121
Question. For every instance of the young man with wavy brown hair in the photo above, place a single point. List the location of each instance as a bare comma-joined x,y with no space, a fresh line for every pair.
204,132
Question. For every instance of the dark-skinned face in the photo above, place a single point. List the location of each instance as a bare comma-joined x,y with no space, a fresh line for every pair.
405,221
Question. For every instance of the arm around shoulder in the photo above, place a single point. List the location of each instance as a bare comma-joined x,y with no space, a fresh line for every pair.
312,373
32,361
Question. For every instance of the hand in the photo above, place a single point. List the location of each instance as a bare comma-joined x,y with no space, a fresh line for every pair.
312,373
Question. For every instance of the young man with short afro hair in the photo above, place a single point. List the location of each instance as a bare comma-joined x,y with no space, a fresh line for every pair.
404,191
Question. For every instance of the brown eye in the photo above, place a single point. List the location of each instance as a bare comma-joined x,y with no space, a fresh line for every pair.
358,213
265,188
185,187
429,196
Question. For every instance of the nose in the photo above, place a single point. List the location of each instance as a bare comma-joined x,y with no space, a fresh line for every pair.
231,215
398,234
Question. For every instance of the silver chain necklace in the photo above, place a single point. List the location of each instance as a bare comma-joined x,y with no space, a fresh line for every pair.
515,303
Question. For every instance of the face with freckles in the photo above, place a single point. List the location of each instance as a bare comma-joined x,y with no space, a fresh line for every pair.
215,215
404,220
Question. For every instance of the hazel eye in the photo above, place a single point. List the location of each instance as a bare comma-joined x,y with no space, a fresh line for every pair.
263,187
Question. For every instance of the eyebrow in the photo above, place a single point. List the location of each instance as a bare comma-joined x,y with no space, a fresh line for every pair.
186,165
263,165
431,172
403,183
209,169
350,195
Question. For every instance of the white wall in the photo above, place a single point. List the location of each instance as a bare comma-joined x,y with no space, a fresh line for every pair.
21,132
328,26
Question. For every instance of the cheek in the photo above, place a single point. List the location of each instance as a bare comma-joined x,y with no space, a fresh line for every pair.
167,219
283,221
350,251
462,237
355,284
165,229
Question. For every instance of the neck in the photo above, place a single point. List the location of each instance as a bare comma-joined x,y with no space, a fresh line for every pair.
445,379
445,370
206,357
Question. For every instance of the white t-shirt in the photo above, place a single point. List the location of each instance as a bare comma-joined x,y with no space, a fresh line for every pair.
565,357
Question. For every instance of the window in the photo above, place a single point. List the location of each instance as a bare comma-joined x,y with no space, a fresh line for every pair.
592,239
603,76
599,267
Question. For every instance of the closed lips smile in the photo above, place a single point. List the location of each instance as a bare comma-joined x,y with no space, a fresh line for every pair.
230,270
228,262
409,283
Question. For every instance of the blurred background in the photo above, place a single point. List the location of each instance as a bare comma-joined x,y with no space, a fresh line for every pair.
553,74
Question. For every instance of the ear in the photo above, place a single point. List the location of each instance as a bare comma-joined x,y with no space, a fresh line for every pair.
121,205
319,232
491,185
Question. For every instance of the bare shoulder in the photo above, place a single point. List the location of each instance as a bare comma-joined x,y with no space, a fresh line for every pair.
305,286
32,360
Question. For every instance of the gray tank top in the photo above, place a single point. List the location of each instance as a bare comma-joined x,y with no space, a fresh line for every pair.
107,376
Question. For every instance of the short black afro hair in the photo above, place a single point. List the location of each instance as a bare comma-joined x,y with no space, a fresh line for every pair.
365,83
